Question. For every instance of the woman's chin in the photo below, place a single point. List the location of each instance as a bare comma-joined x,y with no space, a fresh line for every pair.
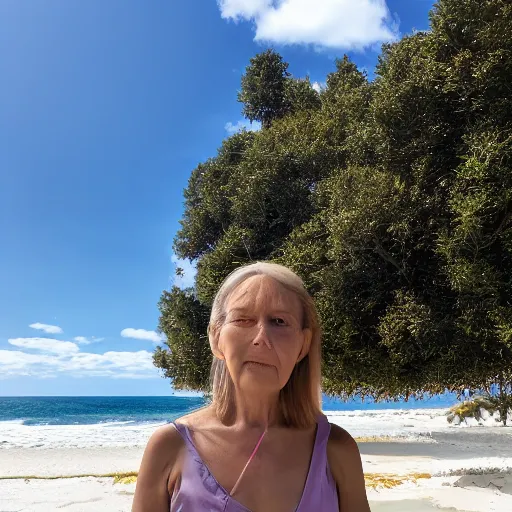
262,375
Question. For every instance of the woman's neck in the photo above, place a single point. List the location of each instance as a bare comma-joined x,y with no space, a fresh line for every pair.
256,410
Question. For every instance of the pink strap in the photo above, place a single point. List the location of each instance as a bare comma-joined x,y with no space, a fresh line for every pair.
248,462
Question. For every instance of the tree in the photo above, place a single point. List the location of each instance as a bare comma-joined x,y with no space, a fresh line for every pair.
300,95
187,359
391,199
208,196
263,91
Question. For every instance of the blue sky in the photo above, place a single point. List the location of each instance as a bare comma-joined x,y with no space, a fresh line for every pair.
105,109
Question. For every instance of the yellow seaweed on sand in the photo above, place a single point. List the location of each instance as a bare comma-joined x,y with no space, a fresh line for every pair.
388,481
125,478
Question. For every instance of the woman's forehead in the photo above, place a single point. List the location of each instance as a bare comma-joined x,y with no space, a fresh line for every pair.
265,290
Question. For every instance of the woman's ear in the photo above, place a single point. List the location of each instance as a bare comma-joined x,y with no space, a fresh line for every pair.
213,337
306,344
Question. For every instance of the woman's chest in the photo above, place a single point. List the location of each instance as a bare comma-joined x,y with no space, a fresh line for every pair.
275,479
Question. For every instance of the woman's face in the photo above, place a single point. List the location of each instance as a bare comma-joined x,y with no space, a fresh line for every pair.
262,337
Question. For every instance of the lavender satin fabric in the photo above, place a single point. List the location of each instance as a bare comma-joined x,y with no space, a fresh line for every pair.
199,491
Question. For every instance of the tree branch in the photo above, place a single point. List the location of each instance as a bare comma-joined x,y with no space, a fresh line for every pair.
387,257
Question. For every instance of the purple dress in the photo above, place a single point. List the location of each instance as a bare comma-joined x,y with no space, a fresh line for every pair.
199,491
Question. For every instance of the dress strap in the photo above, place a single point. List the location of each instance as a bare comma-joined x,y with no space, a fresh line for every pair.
319,459
324,427
235,487
185,434
181,430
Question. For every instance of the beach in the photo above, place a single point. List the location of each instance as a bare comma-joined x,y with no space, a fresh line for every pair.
413,460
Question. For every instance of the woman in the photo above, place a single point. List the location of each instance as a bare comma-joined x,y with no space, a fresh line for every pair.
262,445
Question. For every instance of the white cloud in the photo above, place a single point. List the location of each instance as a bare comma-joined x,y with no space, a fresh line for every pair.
318,86
45,345
243,9
48,329
141,334
187,280
15,362
348,24
243,124
116,365
110,363
137,376
86,341
57,357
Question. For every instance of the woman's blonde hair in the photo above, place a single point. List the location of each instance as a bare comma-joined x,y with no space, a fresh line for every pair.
300,398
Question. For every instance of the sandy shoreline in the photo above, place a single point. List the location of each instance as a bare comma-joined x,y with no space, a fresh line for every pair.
52,462
100,495
444,455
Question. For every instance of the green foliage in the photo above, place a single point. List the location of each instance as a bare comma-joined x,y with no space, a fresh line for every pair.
208,198
232,250
391,199
264,88
301,96
184,320
345,115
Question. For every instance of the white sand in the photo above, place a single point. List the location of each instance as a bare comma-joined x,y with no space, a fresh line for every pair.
73,495
425,498
431,447
100,495
68,461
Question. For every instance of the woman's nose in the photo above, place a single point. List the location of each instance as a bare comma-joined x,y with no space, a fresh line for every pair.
262,337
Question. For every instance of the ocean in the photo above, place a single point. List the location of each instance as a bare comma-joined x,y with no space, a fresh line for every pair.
89,410
81,422
140,410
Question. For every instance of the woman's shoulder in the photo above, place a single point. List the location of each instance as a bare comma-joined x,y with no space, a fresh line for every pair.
168,441
159,469
198,418
339,437
342,447
164,440
344,457
340,441
347,469
165,449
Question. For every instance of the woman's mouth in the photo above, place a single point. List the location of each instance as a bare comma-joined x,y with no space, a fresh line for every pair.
257,363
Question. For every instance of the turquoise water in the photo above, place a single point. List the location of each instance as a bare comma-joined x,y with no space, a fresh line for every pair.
137,410
433,402
93,410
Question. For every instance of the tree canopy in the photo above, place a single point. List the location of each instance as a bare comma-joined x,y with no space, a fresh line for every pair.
264,90
391,198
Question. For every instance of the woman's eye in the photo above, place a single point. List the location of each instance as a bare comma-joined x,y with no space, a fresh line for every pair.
241,320
279,321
